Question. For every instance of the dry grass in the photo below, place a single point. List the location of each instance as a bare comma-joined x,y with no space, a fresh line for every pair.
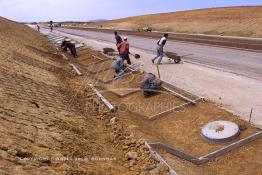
235,21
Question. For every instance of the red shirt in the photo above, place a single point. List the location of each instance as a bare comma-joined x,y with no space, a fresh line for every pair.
124,47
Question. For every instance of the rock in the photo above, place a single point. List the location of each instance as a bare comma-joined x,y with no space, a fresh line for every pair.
162,168
23,154
113,120
132,163
131,155
12,152
149,167
4,148
141,141
155,171
45,161
125,147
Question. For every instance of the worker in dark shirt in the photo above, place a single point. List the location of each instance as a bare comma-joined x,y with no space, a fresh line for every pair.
38,28
66,44
150,85
118,40
160,49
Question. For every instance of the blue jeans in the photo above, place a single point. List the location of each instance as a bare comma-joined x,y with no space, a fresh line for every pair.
160,54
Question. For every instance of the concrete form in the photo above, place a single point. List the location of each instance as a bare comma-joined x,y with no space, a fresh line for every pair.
160,159
212,155
103,99
76,69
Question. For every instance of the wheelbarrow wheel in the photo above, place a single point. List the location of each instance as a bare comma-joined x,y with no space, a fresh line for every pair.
177,60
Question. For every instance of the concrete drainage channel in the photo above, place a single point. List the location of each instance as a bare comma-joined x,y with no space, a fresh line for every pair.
100,70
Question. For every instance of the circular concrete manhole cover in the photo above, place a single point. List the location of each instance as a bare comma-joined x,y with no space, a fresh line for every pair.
220,131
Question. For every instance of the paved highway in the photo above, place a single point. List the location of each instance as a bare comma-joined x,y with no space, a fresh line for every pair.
241,62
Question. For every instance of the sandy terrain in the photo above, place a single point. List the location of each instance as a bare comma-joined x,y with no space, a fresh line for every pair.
239,21
47,125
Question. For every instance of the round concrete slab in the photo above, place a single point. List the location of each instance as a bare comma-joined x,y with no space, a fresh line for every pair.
220,131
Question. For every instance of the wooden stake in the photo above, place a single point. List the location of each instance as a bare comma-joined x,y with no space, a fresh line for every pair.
158,71
250,115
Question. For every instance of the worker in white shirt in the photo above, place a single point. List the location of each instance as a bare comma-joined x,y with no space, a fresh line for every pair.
160,49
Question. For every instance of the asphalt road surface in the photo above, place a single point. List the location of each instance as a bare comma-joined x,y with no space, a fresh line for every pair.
241,62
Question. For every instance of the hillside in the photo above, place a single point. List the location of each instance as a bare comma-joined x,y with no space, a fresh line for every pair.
46,126
232,21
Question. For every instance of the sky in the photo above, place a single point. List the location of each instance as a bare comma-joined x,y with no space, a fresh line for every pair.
85,10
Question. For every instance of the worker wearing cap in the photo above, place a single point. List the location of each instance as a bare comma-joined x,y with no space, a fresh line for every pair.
66,44
124,50
160,48
119,67
150,85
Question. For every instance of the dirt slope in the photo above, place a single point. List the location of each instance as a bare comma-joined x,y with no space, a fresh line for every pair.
235,21
45,125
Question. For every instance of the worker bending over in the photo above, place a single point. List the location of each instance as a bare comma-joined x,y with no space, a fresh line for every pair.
119,67
66,44
123,48
160,49
150,85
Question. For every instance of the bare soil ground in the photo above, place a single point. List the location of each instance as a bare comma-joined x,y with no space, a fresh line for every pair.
152,105
182,129
232,21
106,75
46,123
99,67
125,85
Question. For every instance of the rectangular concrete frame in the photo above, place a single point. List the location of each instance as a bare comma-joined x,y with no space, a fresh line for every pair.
209,156
176,108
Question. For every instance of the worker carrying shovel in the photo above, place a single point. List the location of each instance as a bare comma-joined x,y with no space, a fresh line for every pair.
150,85
66,44
119,67
123,48
160,49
